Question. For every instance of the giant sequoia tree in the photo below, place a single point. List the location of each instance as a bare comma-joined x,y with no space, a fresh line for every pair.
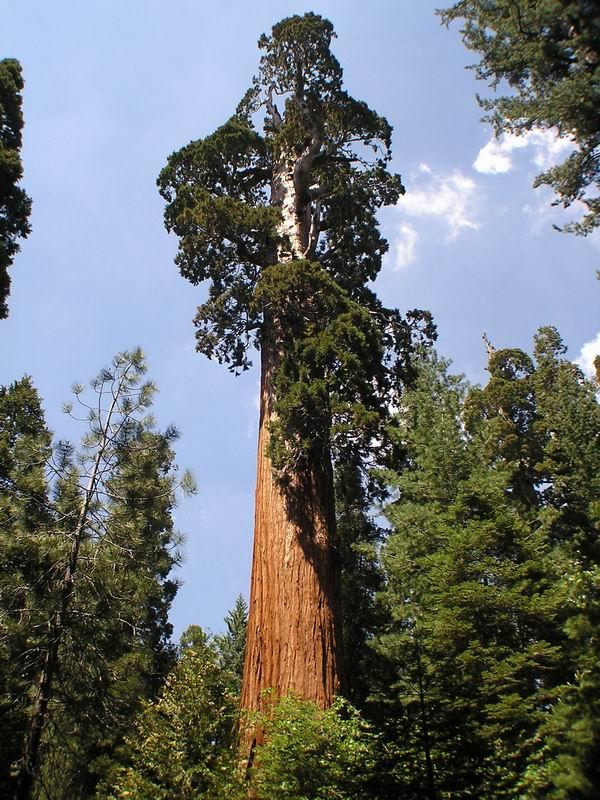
281,220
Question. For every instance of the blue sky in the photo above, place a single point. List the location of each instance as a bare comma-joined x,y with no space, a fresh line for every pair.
113,87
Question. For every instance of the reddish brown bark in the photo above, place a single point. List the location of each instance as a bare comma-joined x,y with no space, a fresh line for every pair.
294,642
294,632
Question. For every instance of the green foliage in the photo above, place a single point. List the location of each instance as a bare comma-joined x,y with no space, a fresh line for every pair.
359,539
492,568
506,412
185,743
461,592
312,754
27,556
183,746
231,645
86,582
569,474
548,51
15,206
217,206
340,356
333,382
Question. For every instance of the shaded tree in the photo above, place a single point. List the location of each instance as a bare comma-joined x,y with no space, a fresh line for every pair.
27,555
492,572
566,763
359,538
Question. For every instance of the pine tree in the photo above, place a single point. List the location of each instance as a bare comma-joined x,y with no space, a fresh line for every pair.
15,205
282,224
548,51
99,624
117,646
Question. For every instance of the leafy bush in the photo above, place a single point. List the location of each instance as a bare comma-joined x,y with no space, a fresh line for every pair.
313,754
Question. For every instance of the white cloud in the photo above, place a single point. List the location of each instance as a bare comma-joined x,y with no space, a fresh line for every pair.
547,149
450,197
588,353
404,246
495,157
252,405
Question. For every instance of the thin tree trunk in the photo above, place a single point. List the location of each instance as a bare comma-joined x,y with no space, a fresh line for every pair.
28,770
431,793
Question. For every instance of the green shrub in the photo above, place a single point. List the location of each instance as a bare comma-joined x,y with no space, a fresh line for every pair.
312,754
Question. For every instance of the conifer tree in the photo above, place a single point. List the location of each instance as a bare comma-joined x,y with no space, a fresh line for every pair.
183,743
472,594
27,555
117,646
87,577
15,205
492,573
359,539
231,645
566,426
282,223
548,51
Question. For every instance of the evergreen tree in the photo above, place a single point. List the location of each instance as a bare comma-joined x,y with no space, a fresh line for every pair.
314,753
27,556
492,571
15,205
359,539
566,763
92,562
474,592
184,742
117,646
231,646
548,51
282,223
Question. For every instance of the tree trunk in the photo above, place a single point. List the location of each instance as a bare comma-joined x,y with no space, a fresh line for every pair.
431,793
294,630
29,765
294,642
27,775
